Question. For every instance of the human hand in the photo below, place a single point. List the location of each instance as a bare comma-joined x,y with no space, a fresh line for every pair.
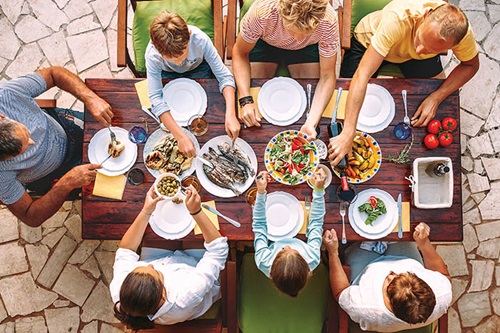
150,201
331,241
193,200
425,112
100,110
421,234
261,181
250,115
319,179
232,127
80,176
309,130
339,146
186,146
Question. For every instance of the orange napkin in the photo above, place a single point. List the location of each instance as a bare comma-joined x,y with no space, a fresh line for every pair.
328,113
254,92
142,91
303,230
406,217
213,218
109,187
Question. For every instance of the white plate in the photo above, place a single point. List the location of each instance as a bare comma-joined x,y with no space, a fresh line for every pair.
171,221
383,225
98,152
284,215
185,98
377,111
282,101
215,189
328,174
153,140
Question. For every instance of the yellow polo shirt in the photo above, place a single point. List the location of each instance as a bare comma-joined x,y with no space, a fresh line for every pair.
391,31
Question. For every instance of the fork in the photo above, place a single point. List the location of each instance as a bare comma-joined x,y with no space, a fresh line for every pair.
307,206
112,134
342,213
406,119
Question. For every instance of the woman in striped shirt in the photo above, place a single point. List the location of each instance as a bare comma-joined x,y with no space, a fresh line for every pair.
303,35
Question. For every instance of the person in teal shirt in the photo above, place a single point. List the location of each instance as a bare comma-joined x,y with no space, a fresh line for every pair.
290,261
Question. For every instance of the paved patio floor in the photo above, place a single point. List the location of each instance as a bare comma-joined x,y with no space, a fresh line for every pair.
53,281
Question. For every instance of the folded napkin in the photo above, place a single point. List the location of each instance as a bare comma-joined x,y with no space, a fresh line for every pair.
142,91
406,217
254,92
303,230
376,246
109,187
213,218
328,113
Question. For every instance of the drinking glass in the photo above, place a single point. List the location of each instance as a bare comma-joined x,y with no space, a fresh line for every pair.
137,134
135,177
402,131
251,196
191,180
198,125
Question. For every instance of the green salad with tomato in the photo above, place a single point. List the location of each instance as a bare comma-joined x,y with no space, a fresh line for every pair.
374,208
290,156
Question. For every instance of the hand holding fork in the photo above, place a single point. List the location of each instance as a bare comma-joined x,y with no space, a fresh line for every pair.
307,206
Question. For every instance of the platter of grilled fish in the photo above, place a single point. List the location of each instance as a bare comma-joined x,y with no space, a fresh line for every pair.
234,166
161,154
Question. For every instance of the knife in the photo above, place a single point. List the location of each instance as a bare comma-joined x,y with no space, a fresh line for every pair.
308,94
204,161
400,218
216,212
150,113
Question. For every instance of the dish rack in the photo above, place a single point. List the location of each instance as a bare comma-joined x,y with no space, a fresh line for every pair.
430,191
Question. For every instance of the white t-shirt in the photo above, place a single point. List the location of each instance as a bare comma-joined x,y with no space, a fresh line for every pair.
364,303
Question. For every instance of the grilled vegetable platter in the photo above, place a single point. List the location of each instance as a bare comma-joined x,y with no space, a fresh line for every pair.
290,159
233,169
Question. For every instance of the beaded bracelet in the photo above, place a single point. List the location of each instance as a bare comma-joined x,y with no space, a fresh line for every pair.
195,213
245,100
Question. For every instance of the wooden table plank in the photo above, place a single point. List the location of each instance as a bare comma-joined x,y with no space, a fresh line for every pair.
109,219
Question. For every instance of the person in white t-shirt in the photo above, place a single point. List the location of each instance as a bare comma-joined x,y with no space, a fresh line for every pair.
393,291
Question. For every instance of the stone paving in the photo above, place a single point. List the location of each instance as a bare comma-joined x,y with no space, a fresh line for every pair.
53,281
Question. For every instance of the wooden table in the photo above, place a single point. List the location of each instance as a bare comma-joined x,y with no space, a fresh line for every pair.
109,219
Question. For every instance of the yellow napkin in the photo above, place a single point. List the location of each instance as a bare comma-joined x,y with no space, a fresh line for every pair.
328,113
406,217
303,230
254,92
109,187
142,91
213,218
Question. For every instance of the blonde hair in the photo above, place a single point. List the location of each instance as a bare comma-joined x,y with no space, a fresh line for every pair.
452,20
305,15
169,34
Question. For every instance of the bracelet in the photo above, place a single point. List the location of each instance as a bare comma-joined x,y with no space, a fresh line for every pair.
148,214
245,100
195,213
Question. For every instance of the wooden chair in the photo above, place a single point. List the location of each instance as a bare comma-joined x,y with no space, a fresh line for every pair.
205,14
217,316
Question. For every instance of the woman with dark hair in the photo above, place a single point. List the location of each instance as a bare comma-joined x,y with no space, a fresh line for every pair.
165,287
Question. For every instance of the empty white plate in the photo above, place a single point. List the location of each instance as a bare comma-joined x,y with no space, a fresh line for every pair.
377,111
186,98
284,215
171,220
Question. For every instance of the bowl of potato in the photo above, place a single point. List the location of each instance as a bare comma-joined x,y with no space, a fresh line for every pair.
167,186
365,160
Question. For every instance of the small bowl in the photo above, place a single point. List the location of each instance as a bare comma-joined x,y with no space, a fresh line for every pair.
328,174
161,178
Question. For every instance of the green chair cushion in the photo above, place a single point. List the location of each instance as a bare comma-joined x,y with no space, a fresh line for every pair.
262,308
213,312
195,12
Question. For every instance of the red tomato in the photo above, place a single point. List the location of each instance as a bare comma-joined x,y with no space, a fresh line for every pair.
449,124
373,201
445,139
431,141
434,126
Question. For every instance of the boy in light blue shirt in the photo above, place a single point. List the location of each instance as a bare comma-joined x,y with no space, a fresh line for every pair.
178,50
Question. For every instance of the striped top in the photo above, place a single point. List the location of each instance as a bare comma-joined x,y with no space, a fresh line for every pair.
262,21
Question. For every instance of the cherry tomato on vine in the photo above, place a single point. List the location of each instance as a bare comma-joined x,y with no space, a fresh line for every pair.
431,141
449,124
445,139
434,126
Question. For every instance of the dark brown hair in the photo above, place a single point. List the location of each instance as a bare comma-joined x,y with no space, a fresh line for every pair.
289,272
169,34
10,145
140,296
411,298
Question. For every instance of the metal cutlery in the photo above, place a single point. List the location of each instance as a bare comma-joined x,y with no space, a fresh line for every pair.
406,119
216,212
307,206
107,158
342,213
150,113
112,135
400,217
204,161
308,94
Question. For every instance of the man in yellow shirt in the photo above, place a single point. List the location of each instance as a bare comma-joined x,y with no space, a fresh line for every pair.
410,34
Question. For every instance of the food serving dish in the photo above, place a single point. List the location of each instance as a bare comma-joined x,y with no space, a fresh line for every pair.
186,98
167,185
290,159
328,174
364,150
377,111
284,216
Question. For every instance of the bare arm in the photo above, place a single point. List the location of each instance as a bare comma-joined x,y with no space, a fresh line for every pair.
432,260
231,123
458,77
338,279
35,212
341,145
67,81
193,204
241,67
